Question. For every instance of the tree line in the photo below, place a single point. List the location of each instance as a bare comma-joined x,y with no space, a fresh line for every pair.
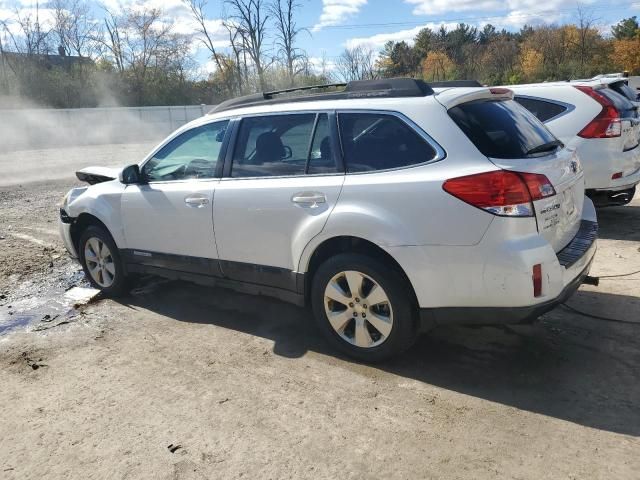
136,55
533,54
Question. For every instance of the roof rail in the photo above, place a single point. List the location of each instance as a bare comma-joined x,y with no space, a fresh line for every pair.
456,83
390,87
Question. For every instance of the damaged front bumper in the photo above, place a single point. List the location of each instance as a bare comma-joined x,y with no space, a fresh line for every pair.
64,227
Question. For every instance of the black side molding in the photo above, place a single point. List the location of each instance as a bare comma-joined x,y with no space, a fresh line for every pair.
243,277
211,281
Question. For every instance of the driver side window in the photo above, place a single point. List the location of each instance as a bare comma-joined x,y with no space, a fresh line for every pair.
192,155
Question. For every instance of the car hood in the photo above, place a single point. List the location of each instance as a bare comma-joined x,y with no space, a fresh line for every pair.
93,175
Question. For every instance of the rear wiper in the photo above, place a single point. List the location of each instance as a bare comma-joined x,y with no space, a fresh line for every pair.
546,147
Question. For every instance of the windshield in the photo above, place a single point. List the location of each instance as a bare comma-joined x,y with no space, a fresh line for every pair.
503,129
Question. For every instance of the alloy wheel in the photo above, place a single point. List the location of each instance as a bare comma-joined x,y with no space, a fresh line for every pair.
99,262
358,309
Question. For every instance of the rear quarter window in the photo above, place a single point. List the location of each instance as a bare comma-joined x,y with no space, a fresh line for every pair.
378,141
500,129
542,109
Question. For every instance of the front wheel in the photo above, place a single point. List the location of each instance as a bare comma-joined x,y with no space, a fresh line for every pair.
101,261
364,308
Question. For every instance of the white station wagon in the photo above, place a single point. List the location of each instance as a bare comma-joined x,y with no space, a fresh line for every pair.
389,207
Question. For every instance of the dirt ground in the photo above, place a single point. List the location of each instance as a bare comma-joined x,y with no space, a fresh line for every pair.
178,381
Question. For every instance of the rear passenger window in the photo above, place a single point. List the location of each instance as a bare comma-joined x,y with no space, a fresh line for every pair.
279,145
374,141
542,109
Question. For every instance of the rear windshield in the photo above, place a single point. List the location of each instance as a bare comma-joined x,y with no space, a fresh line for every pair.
501,129
622,104
625,90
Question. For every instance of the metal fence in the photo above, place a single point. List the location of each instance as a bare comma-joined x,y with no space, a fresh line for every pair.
45,128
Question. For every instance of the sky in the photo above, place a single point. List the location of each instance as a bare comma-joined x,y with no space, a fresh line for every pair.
333,25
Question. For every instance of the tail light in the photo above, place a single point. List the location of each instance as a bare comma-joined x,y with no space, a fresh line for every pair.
607,123
501,192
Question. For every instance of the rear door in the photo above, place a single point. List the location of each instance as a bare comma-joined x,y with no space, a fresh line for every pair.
514,139
280,184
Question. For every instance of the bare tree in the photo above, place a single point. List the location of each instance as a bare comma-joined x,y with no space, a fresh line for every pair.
151,44
144,47
33,37
237,42
251,17
356,64
114,24
286,33
74,27
206,37
587,35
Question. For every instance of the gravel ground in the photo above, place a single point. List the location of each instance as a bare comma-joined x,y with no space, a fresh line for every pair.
178,381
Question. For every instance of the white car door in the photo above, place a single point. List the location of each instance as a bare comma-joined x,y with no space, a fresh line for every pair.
281,182
168,219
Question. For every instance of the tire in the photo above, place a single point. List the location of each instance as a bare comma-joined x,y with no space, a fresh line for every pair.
356,336
107,273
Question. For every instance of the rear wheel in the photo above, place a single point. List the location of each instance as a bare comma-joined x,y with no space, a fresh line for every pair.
101,261
364,308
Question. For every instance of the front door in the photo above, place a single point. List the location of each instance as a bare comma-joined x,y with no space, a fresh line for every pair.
276,196
168,221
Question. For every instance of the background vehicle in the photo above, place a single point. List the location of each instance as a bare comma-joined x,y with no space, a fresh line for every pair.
617,82
600,124
389,207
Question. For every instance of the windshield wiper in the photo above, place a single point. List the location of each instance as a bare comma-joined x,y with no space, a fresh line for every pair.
546,147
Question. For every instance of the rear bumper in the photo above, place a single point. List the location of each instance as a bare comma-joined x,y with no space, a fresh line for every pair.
491,282
602,158
622,183
431,317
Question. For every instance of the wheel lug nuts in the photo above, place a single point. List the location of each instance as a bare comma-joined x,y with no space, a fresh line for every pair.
351,305
364,306
364,315
355,314
357,300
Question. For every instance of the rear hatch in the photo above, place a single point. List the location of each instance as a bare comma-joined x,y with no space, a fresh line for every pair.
513,139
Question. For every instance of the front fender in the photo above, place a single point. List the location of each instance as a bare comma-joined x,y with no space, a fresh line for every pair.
102,201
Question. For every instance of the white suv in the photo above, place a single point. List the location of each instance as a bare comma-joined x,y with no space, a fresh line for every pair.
389,207
600,124
616,82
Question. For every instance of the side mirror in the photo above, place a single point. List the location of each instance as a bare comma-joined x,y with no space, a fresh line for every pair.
131,175
287,152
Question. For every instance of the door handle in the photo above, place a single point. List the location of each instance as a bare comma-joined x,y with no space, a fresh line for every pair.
309,199
196,201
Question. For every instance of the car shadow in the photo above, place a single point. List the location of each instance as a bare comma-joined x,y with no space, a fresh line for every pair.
619,223
566,366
